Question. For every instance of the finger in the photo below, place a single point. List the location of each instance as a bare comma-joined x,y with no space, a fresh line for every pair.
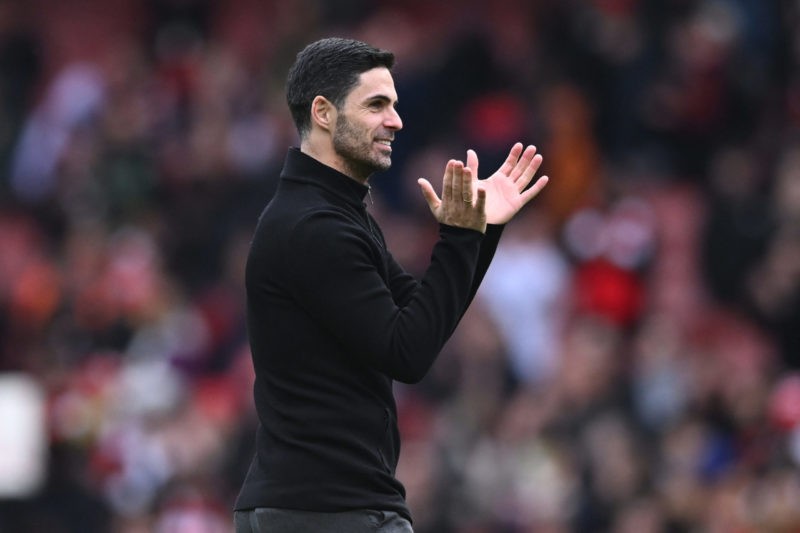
466,185
530,171
480,200
511,160
458,182
429,194
447,182
472,163
531,193
523,163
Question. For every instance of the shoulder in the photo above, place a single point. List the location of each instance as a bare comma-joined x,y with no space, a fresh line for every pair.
328,228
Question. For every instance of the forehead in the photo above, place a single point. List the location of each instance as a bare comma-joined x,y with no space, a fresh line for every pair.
372,83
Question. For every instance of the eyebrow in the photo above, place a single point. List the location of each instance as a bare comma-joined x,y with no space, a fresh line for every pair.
381,98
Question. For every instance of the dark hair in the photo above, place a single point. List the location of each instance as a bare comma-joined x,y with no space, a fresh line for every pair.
330,68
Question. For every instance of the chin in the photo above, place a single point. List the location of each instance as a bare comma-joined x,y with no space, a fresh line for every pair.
383,163
379,164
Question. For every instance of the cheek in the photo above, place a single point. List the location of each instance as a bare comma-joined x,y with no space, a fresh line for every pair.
360,133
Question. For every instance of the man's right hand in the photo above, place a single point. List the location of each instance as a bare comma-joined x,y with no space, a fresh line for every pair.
462,204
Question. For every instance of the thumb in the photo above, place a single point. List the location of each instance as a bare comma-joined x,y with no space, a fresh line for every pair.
430,195
472,162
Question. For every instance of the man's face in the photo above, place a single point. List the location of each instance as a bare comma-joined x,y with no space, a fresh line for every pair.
366,124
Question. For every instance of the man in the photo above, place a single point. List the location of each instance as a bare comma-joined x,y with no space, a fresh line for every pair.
333,319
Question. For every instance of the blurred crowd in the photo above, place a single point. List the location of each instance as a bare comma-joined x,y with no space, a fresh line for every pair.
631,363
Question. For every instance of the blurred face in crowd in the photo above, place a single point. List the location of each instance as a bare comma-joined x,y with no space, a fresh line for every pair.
366,124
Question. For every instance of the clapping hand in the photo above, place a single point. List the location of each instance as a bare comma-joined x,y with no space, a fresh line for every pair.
507,189
472,203
463,203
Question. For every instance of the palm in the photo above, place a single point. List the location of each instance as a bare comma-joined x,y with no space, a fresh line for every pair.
506,189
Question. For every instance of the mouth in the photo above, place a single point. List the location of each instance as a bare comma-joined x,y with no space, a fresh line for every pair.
386,143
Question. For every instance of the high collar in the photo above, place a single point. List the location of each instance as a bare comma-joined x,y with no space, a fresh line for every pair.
303,168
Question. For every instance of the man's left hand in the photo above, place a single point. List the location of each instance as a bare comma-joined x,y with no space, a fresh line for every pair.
506,191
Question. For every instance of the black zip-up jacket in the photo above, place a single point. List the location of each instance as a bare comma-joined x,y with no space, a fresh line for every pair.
333,320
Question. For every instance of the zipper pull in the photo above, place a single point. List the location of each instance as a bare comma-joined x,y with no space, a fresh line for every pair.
369,193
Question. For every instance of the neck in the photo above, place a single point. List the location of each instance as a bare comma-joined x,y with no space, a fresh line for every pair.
322,150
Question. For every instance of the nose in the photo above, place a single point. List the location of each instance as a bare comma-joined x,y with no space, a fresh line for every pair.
392,119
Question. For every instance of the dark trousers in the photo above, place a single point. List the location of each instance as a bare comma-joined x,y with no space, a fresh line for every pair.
268,520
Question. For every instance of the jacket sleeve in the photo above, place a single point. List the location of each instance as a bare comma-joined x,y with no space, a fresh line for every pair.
485,256
335,277
402,283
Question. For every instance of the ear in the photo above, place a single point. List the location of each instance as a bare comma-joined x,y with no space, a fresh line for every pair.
323,113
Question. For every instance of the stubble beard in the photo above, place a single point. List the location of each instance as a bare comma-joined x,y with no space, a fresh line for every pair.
357,151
